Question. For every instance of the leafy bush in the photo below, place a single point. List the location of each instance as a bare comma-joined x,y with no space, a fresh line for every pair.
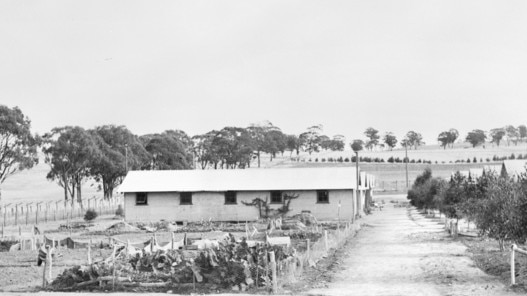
346,159
119,212
90,215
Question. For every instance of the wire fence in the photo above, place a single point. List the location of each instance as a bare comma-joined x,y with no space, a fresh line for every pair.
395,185
290,270
15,214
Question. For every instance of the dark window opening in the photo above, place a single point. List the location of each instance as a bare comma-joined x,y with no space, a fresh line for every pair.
276,196
186,198
141,199
322,196
230,198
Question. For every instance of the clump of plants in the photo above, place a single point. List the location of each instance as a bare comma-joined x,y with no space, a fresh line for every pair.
119,212
90,215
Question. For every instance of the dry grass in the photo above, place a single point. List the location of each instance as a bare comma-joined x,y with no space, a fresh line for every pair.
488,257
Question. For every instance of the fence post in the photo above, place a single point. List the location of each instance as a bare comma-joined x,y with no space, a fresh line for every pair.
326,239
513,275
36,216
89,252
308,248
50,264
114,266
45,269
273,272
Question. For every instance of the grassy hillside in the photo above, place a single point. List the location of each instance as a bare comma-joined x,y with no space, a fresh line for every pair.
32,185
391,176
433,153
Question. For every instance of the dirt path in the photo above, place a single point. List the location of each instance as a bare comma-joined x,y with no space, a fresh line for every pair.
402,253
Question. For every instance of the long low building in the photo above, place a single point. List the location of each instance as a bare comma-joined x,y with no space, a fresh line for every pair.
221,195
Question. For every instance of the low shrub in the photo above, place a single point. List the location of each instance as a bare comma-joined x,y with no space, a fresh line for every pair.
90,215
119,212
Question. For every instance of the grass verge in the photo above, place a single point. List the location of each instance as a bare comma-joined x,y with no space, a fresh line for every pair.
488,257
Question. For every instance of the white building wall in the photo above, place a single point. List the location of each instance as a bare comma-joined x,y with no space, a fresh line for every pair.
206,205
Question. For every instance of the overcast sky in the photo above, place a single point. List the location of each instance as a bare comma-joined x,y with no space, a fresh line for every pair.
202,65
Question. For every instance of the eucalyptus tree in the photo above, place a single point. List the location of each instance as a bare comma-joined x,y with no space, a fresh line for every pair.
18,147
168,151
120,151
69,151
311,138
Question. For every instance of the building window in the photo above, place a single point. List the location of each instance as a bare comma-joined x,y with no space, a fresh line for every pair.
186,198
141,199
230,198
276,196
322,196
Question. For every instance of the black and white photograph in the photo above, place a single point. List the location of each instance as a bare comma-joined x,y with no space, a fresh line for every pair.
292,147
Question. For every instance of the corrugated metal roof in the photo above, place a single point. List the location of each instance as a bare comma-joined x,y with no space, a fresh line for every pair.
515,167
240,180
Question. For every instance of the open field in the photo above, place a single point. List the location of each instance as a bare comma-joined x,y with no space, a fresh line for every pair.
32,186
391,177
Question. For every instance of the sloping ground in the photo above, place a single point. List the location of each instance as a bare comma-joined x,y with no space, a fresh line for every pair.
403,253
32,186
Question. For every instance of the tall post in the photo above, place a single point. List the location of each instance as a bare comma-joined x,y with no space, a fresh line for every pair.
273,271
357,184
406,161
5,213
326,246
513,272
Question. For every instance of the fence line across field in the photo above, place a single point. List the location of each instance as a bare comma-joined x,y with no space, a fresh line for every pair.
14,214
395,185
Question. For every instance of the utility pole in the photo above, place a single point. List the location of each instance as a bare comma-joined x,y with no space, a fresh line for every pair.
356,184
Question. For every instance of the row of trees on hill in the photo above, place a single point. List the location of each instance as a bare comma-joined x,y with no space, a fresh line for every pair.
105,153
373,140
508,133
446,139
235,147
496,204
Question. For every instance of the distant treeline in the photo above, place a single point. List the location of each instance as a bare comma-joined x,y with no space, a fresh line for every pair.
105,153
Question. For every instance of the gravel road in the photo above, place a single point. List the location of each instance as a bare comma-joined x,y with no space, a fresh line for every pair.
400,252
